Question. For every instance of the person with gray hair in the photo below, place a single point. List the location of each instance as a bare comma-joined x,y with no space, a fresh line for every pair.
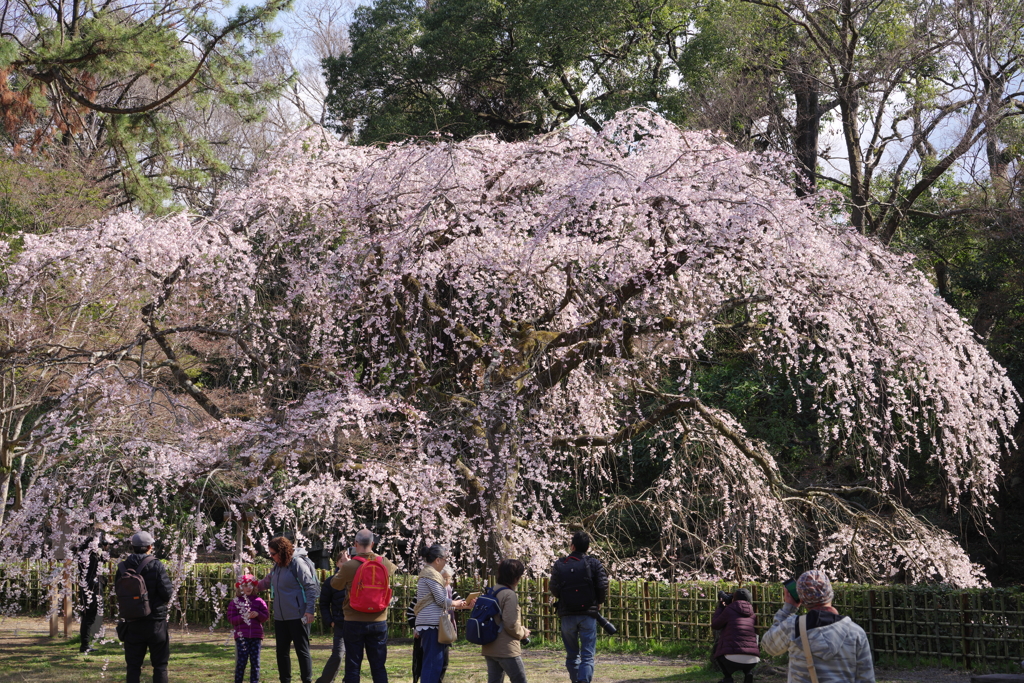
149,632
364,632
823,645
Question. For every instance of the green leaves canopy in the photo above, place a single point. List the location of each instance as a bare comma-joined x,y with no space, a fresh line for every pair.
514,68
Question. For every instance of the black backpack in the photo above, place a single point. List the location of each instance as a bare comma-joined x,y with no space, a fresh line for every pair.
132,594
576,593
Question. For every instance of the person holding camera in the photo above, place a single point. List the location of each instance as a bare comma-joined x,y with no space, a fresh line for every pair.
580,584
736,649
823,645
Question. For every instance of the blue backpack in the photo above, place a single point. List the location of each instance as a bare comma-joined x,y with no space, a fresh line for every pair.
483,627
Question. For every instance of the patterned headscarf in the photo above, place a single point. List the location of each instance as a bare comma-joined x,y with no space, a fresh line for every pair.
814,589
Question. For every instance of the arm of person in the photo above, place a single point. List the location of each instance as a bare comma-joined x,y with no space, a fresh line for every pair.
264,583
311,588
719,619
776,639
601,582
510,616
439,594
262,610
164,587
343,578
865,667
234,618
555,584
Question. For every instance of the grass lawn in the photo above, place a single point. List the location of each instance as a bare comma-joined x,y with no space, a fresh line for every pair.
29,655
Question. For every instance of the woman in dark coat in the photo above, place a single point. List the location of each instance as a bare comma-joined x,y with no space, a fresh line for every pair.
737,648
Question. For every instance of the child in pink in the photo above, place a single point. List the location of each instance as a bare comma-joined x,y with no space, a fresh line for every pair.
247,612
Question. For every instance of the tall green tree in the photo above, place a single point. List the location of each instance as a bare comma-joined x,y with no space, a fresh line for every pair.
515,68
141,86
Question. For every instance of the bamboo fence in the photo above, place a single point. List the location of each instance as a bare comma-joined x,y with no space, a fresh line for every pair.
970,627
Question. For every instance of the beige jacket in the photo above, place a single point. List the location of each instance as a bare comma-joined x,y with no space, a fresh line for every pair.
507,642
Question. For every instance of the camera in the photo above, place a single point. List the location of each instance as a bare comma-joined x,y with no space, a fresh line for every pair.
525,642
608,626
725,598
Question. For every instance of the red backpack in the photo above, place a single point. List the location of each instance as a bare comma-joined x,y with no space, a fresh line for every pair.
371,586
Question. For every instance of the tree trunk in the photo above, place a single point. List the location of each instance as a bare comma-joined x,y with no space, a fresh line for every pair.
806,127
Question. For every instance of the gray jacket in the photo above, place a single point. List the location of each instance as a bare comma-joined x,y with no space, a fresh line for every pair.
840,650
292,599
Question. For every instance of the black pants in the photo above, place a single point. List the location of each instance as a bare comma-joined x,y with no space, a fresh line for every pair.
92,614
730,667
140,636
288,632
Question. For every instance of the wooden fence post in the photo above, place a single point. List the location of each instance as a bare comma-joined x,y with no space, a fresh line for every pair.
871,623
965,629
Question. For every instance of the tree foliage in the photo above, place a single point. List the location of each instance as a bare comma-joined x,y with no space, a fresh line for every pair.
515,69
443,339
142,88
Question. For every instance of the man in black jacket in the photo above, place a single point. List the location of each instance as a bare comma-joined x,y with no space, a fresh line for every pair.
151,631
579,584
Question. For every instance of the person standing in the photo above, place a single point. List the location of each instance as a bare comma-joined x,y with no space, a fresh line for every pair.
434,601
247,612
295,592
838,648
366,578
579,583
736,649
150,631
410,617
332,612
503,654
91,586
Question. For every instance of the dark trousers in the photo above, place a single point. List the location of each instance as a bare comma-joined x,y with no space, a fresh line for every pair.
140,636
337,656
417,660
730,667
288,632
373,638
92,612
247,651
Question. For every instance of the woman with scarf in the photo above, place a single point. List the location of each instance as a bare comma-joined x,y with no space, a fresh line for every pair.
433,601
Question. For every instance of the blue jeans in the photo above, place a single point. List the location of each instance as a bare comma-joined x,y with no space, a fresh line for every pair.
579,633
433,656
373,637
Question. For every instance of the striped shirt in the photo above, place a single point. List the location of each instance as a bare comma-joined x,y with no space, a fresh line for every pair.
430,615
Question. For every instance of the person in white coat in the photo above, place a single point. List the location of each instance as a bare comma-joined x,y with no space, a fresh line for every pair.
838,648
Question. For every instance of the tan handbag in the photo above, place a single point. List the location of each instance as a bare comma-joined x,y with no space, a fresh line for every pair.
802,621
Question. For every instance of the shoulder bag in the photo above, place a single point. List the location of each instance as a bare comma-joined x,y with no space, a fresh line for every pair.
802,620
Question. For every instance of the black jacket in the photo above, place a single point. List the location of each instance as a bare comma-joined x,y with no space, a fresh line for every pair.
332,603
598,575
89,564
158,585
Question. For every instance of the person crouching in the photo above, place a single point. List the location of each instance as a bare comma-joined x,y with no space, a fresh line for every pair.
737,648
